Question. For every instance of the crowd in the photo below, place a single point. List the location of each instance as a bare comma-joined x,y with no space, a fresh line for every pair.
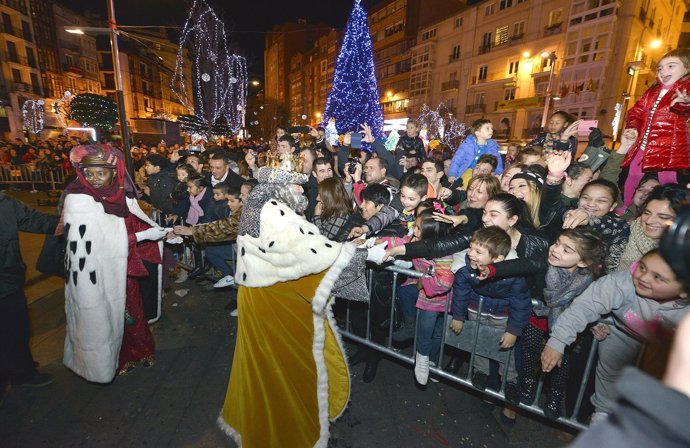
489,230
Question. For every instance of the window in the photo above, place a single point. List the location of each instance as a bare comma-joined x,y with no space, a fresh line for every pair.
486,40
458,22
518,29
483,73
69,60
324,66
479,98
30,58
503,4
429,34
26,31
455,55
453,76
501,36
509,94
12,51
16,75
513,66
35,85
109,81
556,17
490,9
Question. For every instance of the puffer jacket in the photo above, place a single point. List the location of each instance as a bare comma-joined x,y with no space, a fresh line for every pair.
17,217
502,297
666,131
468,153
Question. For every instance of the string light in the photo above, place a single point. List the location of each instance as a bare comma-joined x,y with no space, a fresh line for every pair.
441,125
32,115
93,111
219,77
354,98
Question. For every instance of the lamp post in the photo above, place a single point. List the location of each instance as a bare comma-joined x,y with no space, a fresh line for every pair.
122,116
547,99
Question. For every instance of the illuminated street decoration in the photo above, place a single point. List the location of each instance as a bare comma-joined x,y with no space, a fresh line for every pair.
219,77
354,98
32,115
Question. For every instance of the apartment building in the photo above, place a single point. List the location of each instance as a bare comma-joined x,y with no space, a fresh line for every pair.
20,76
311,79
494,59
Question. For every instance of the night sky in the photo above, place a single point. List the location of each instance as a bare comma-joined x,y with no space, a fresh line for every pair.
246,21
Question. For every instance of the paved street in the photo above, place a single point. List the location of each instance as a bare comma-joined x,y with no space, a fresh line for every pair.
176,402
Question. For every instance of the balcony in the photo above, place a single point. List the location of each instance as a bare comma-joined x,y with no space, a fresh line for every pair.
551,30
453,58
20,87
9,29
453,84
475,108
16,59
484,49
19,5
71,70
521,103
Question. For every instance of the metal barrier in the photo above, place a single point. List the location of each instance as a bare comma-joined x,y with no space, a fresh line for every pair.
31,174
389,350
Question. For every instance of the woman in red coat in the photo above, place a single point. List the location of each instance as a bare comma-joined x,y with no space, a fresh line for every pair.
658,123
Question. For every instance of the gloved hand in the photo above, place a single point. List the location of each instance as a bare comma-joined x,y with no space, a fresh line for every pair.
403,264
152,234
375,254
596,138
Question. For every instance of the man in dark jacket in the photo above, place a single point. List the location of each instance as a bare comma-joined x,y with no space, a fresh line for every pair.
16,363
161,183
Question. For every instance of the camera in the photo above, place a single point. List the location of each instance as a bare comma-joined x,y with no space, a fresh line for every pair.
675,246
352,165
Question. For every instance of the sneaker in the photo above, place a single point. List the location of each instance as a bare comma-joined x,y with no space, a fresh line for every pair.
38,380
233,313
421,369
224,282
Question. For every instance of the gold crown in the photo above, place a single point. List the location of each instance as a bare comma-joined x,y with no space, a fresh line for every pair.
286,162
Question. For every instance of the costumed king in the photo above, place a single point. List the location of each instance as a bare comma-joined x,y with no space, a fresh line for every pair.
289,374
112,268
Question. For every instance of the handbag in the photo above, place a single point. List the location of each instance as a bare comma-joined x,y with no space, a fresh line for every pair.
51,260
594,157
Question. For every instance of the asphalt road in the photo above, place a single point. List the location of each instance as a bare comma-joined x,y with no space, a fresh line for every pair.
176,402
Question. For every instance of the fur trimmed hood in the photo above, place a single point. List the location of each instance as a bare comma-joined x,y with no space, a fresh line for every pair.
288,247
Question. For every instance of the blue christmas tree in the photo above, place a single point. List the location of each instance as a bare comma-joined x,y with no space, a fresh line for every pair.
354,99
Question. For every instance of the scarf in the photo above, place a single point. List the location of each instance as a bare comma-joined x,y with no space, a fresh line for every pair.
562,286
195,210
638,245
549,141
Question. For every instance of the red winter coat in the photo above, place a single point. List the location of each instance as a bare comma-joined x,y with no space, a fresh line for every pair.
668,141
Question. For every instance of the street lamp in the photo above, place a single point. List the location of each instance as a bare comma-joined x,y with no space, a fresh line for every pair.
122,116
547,99
256,83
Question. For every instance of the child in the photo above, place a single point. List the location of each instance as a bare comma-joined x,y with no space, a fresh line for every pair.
657,124
507,304
218,208
575,260
639,302
479,142
560,134
434,291
180,195
413,191
200,197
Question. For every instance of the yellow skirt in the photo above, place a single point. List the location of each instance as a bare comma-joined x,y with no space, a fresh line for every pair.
289,375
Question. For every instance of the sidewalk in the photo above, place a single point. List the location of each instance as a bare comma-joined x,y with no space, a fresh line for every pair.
176,402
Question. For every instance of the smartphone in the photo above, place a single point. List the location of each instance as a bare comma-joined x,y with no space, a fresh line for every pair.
583,128
356,140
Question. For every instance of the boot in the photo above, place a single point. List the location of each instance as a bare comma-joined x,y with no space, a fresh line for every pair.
370,369
453,365
406,332
421,368
553,405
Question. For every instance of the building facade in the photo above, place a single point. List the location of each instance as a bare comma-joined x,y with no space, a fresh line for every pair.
20,76
495,59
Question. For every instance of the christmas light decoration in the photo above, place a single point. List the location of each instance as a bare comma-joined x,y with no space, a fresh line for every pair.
94,111
219,77
354,98
441,125
32,115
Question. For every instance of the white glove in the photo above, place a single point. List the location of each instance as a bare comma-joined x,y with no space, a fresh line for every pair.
152,234
403,264
376,253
